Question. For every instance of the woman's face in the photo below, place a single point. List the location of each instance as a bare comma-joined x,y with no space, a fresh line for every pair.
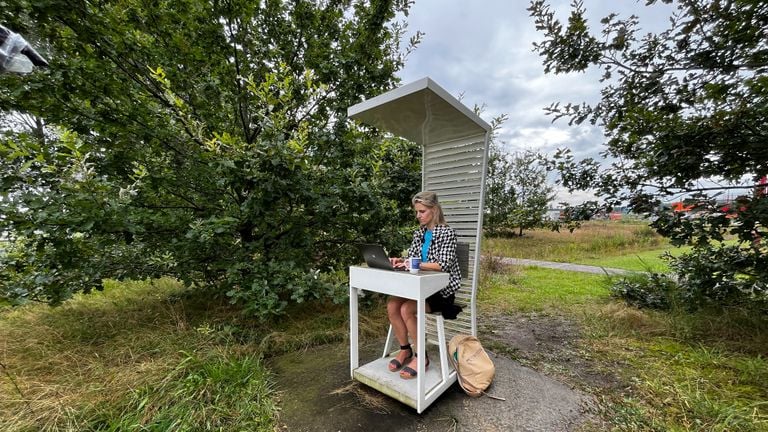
423,213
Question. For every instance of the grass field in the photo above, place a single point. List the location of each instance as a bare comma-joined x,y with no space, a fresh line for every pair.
650,260
148,356
593,241
685,372
151,356
622,245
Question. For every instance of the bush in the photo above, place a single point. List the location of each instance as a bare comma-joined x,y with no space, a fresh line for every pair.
271,286
646,290
723,276
709,277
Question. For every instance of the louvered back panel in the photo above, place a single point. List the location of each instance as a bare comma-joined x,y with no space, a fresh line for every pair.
454,170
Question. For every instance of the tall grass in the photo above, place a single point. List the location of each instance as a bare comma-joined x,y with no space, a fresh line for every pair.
148,356
681,372
222,391
702,372
594,240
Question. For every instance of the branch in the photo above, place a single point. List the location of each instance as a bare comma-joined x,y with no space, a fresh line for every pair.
702,189
241,108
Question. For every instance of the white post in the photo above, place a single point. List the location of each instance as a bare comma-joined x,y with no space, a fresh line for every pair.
353,331
422,341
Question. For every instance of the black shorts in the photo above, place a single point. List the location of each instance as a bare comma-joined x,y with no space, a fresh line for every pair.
438,303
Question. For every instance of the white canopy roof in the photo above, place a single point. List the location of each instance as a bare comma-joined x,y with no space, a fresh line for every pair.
422,112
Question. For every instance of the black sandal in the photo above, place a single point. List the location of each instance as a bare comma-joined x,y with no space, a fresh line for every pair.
394,364
409,373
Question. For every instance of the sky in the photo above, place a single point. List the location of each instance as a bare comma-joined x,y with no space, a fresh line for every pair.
482,50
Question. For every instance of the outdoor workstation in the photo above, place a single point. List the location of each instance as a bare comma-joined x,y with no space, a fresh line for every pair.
454,143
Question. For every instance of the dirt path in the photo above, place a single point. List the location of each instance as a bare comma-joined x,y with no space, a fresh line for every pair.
538,369
548,344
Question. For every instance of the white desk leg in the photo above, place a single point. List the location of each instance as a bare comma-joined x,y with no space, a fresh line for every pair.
353,332
440,324
421,349
387,342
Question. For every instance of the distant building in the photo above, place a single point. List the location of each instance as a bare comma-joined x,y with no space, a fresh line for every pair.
553,214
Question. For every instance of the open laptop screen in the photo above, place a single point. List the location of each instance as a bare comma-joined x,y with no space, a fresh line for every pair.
375,256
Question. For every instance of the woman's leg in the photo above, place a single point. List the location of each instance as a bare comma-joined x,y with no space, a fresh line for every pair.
408,315
394,304
408,312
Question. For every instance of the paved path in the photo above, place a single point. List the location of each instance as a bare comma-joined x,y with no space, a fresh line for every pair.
564,266
317,395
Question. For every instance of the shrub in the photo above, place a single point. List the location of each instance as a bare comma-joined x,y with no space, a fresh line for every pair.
271,286
723,276
646,290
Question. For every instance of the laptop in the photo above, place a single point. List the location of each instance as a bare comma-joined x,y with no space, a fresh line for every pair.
375,256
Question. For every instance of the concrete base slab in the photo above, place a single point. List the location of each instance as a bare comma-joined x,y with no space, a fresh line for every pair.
317,394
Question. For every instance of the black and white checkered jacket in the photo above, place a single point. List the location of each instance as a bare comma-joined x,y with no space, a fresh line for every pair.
442,250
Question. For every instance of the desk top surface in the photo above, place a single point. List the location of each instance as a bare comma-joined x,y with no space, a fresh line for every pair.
399,283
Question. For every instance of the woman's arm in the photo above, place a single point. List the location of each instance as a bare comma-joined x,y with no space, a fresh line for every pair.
415,249
432,266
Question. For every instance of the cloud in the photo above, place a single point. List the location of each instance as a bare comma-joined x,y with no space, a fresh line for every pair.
483,51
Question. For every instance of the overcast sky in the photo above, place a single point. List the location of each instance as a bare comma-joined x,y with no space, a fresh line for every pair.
483,49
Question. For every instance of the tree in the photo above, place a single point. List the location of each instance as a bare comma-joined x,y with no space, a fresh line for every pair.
500,193
517,193
678,107
205,140
528,175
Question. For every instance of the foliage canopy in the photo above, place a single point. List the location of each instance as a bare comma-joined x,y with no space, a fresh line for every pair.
679,107
205,140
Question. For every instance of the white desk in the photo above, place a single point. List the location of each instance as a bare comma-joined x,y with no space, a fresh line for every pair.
375,374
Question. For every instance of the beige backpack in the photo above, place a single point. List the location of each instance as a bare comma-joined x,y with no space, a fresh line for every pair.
474,367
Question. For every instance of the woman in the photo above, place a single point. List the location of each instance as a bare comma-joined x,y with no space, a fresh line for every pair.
435,243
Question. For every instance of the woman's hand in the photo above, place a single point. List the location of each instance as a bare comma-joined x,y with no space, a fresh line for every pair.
397,262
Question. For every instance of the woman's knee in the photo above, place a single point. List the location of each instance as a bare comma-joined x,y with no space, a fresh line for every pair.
393,307
408,310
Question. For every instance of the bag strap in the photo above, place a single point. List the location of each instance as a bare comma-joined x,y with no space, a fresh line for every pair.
461,379
458,371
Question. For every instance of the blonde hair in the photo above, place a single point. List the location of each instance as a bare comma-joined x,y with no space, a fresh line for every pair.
429,200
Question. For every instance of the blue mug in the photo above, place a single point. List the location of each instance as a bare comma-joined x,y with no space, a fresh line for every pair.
413,264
